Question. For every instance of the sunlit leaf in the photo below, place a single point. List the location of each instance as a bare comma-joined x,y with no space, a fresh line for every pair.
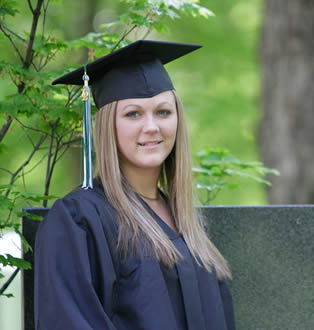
110,25
202,171
9,260
26,246
218,169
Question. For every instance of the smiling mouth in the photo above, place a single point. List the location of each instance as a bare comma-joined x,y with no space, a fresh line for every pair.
149,143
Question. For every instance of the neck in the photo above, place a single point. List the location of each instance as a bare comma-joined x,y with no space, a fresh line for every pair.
144,181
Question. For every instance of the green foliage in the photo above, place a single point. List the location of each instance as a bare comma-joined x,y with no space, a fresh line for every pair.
10,215
46,47
8,295
150,13
143,15
218,169
100,43
8,260
10,201
8,8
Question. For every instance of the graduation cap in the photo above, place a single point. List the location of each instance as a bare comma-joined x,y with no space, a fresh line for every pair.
134,71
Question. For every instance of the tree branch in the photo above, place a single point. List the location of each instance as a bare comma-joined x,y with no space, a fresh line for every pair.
29,52
35,67
9,281
50,150
44,18
7,221
6,170
36,147
31,128
30,6
12,43
5,127
48,178
73,96
38,163
51,168
67,145
47,60
147,33
13,79
123,37
12,32
63,152
69,131
71,141
27,135
50,164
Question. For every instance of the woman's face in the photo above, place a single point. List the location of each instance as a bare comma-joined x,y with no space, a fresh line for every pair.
146,130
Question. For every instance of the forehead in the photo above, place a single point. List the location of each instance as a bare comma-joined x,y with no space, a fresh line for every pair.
164,97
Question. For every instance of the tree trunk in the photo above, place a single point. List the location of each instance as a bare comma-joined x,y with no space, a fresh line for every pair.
286,135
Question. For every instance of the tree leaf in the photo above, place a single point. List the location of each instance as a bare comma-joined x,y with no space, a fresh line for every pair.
247,176
8,7
9,260
8,295
26,246
202,171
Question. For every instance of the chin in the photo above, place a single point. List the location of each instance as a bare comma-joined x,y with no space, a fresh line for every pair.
151,164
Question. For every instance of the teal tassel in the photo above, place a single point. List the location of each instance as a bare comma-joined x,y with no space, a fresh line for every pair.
87,134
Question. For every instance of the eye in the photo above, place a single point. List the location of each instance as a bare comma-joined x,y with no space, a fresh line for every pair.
132,114
164,112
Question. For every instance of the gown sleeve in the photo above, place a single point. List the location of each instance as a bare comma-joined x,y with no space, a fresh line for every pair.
66,269
227,304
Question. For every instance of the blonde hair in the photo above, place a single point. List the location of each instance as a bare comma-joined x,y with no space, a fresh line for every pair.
175,181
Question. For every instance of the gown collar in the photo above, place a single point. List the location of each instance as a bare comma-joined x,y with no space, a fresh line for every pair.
172,235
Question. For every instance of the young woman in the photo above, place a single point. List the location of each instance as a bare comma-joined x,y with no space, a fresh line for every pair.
131,253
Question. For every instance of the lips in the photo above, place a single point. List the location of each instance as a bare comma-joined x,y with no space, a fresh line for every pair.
149,143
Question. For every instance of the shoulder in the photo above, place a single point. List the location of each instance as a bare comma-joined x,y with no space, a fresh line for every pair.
89,197
93,196
81,217
85,208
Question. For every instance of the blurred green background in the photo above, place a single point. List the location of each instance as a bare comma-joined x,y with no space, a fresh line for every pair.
219,84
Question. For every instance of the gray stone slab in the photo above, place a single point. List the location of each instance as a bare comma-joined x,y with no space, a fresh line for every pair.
271,253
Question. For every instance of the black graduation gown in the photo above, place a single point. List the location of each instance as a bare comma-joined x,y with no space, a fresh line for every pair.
80,283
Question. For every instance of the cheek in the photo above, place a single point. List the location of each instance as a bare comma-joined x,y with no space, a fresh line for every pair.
172,129
120,131
126,137
120,135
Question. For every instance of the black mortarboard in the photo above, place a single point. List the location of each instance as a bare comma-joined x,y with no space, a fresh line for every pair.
134,71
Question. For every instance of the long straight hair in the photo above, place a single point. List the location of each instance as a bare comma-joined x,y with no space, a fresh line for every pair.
175,181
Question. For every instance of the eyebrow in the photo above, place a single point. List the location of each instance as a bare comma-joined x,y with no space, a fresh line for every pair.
139,106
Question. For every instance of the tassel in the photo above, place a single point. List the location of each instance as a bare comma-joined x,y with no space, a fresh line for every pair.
87,134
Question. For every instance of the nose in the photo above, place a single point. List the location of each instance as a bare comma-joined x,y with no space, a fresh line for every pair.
150,124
